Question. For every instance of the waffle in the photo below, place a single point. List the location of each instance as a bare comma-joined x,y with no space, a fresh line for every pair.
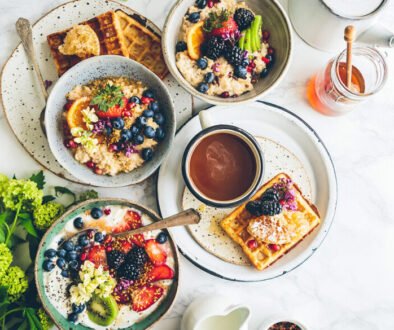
108,30
261,255
143,45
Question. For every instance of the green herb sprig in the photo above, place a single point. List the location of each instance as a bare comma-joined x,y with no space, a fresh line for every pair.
108,97
215,21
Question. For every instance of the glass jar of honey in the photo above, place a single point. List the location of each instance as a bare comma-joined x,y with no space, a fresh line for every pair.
327,91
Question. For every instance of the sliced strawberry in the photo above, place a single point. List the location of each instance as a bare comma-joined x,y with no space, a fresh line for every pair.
115,111
228,27
131,220
138,239
97,255
145,297
162,272
155,252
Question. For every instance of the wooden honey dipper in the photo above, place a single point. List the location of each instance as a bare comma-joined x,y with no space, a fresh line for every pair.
350,32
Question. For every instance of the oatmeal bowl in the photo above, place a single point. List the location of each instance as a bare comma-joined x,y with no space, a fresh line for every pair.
110,121
227,51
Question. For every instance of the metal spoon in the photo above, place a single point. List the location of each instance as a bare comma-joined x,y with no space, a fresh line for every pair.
23,28
188,217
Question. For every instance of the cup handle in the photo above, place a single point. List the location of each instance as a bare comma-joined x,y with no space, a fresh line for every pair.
205,119
377,36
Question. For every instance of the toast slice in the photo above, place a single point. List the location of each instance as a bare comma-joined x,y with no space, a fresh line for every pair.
109,32
143,45
240,225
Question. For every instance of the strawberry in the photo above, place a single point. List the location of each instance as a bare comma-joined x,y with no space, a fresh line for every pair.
162,272
115,111
145,297
155,252
125,246
131,220
97,255
138,239
227,28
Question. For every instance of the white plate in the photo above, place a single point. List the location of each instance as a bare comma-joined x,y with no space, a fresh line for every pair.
290,131
20,93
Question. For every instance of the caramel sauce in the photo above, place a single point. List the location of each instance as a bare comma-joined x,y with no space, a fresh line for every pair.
222,166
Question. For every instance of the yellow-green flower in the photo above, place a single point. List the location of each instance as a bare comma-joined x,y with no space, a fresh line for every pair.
15,280
46,214
5,259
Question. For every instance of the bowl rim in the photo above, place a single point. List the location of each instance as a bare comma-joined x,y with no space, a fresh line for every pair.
217,100
155,217
50,108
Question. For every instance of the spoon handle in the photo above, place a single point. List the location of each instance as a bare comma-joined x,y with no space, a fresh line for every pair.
23,28
188,217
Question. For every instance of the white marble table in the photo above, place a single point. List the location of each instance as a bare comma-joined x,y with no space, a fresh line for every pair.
348,283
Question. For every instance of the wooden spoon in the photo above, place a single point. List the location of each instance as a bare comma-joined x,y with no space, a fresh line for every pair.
350,33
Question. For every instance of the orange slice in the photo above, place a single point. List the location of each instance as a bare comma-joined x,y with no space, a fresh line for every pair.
74,113
195,38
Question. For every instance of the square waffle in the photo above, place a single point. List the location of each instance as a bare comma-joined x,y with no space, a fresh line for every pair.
143,45
109,32
261,255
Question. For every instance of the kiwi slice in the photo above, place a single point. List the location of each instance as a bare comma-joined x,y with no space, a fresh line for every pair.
102,311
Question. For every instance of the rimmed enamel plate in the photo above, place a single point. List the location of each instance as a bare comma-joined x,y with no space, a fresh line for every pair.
20,93
290,134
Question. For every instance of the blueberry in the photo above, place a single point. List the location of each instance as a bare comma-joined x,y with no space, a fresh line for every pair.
135,99
78,223
98,237
148,113
161,238
108,130
201,3
194,17
271,59
138,139
264,73
140,121
61,263
78,308
158,118
73,264
209,77
240,72
180,46
48,265
203,88
71,255
65,273
83,240
96,213
117,123
147,154
134,130
160,134
61,253
68,246
154,106
202,63
149,132
78,249
245,62
73,317
148,93
125,135
50,253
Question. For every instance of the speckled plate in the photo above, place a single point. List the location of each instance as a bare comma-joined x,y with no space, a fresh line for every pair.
60,321
290,145
20,93
208,232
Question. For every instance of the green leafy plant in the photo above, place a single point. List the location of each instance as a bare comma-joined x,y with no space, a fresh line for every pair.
215,20
25,214
108,97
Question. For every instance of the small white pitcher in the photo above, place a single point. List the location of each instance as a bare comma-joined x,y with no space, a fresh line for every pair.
215,313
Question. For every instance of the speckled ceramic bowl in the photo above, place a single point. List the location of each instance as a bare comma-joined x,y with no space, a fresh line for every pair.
275,20
84,72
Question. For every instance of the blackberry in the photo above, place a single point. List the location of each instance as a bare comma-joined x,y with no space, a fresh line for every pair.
271,207
243,18
234,55
214,47
270,195
255,208
137,255
130,271
115,258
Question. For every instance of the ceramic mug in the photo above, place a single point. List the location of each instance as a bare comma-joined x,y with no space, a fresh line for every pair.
251,143
321,23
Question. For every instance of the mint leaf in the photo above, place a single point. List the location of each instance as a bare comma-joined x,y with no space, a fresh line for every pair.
39,179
